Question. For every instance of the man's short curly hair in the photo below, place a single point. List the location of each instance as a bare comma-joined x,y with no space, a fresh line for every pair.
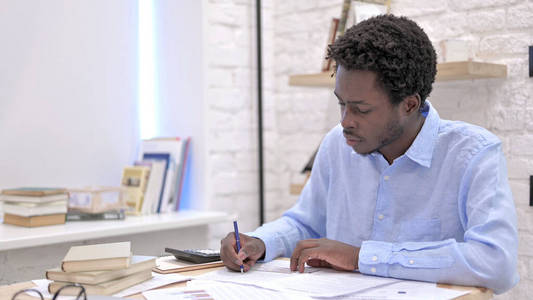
396,48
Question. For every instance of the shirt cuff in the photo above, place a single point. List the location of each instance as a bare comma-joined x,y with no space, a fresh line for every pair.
374,257
271,245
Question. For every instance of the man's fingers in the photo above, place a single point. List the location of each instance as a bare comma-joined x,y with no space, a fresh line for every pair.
305,255
301,246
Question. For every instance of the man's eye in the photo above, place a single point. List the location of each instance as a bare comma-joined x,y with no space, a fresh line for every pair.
342,104
363,111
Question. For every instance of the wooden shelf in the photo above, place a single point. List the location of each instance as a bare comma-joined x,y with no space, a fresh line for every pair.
463,70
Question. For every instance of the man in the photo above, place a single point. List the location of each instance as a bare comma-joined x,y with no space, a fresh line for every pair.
395,191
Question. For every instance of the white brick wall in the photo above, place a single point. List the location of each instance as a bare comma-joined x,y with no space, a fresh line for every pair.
294,38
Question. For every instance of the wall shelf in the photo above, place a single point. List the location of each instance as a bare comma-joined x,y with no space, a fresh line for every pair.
463,70
15,237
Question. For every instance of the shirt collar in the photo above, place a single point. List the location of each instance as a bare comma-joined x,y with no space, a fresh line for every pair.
421,150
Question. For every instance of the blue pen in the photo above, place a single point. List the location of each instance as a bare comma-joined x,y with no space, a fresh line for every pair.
238,240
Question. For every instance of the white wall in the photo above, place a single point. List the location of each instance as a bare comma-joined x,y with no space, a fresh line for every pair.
68,92
69,89
180,64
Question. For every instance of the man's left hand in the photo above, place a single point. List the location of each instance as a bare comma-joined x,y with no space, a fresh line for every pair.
324,253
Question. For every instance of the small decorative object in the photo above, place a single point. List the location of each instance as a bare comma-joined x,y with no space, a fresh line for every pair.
96,199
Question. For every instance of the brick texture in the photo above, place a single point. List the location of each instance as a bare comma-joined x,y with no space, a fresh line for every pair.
296,118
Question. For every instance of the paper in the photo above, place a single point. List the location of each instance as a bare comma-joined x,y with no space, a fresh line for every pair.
201,289
281,266
321,283
252,277
156,281
330,283
407,290
42,286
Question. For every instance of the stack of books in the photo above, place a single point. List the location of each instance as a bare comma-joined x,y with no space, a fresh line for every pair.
32,207
102,269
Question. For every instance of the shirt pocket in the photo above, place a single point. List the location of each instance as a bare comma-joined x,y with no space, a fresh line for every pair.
420,230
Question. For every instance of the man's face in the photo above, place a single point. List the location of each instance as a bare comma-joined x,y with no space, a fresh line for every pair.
370,121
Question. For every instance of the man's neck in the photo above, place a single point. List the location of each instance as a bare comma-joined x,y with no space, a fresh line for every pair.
391,152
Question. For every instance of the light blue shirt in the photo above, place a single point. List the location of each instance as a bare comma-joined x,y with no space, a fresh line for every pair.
442,212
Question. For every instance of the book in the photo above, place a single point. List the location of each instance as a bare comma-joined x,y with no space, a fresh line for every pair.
182,172
33,199
104,288
138,263
35,209
174,147
169,264
106,215
162,202
34,221
134,182
97,257
327,62
34,191
154,185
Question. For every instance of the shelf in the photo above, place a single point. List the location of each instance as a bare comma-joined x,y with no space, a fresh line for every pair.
463,70
15,237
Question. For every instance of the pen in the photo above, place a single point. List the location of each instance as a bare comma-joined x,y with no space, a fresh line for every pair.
236,227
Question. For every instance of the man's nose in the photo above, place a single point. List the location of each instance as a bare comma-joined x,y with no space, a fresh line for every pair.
348,119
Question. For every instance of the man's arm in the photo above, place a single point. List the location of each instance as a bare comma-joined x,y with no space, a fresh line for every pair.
487,256
306,219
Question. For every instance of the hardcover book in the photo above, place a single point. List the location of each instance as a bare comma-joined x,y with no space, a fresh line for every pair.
138,264
34,199
98,257
104,288
34,191
106,215
34,221
28,209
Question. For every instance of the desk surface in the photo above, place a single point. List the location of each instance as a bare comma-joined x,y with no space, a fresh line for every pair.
7,291
15,237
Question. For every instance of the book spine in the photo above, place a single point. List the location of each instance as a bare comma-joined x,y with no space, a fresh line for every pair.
183,172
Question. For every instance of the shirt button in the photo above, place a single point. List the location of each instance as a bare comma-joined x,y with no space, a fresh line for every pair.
386,177
374,258
411,262
373,270
381,217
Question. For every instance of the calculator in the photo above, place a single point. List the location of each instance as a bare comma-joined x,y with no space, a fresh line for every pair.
197,256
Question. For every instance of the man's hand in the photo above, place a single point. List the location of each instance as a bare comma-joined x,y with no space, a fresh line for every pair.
324,253
251,250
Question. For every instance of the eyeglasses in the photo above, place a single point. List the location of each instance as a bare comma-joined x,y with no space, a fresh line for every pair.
81,295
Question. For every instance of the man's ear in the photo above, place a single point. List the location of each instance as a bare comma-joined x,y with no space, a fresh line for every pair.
411,104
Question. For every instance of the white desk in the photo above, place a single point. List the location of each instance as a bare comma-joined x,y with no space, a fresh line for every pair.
25,253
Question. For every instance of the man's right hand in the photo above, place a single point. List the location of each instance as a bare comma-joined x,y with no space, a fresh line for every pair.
251,250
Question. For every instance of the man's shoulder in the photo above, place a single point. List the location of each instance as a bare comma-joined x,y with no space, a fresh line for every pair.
333,137
456,133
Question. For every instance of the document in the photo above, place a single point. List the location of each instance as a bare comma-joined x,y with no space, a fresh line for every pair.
201,289
406,290
156,281
281,266
321,283
330,283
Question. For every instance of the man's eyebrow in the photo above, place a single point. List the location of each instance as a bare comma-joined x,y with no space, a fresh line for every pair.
362,102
